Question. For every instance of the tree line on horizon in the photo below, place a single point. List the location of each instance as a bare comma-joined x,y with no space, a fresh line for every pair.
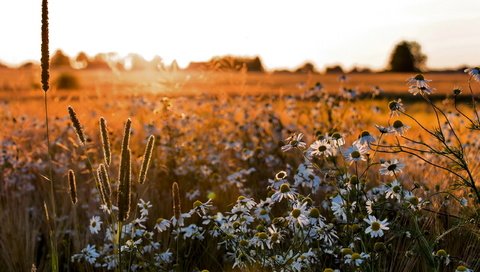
406,56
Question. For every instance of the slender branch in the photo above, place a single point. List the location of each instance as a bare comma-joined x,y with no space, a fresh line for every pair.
425,160
474,103
459,111
411,117
448,122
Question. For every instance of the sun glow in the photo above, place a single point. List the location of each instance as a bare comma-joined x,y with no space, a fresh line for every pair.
283,33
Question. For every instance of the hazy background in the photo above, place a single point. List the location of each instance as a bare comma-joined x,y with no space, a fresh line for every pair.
283,33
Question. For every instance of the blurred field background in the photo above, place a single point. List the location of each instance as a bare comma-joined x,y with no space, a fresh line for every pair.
218,135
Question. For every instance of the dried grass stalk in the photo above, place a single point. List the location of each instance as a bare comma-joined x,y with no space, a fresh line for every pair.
125,148
105,189
76,125
176,201
105,141
147,156
45,60
124,189
73,186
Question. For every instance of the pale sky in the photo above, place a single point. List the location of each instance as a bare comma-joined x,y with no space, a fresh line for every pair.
284,33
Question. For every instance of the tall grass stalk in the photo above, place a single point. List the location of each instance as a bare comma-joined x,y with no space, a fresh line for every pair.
105,141
45,64
147,156
124,189
72,186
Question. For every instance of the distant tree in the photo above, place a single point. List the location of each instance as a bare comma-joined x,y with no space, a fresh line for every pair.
27,65
337,69
60,60
235,63
407,57
99,61
254,65
307,68
360,70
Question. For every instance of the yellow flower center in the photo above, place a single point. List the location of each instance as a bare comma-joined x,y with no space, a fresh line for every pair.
356,256
397,124
355,154
392,167
346,251
419,77
375,226
262,235
314,213
442,253
296,213
285,188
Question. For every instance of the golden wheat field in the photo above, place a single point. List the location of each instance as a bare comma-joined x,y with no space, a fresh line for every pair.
242,172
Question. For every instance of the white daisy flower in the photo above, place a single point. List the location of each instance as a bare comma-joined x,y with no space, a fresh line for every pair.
414,202
336,140
165,257
247,202
285,192
298,215
275,235
305,176
294,141
320,148
399,128
202,208
395,107
355,153
419,84
462,268
144,206
95,224
263,214
393,190
364,139
418,80
90,254
391,167
376,227
442,255
192,231
261,240
356,259
474,72
338,207
162,224
384,130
